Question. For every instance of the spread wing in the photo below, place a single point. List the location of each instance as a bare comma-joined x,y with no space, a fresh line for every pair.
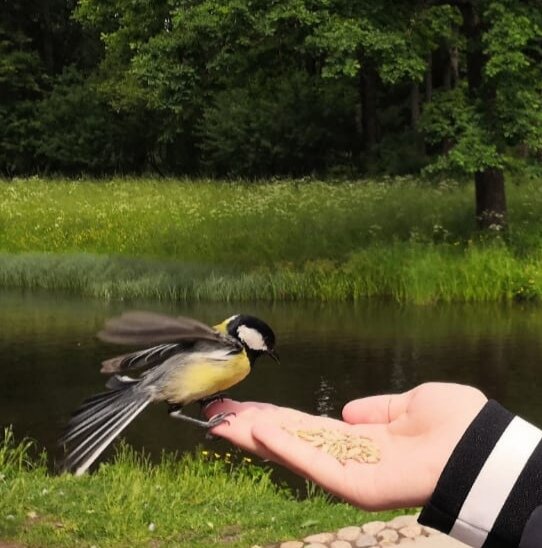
177,335
142,328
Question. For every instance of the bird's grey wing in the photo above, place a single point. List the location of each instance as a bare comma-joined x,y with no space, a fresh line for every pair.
150,357
146,328
156,355
139,328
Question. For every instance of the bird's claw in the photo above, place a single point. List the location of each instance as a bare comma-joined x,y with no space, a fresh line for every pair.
211,423
219,419
205,402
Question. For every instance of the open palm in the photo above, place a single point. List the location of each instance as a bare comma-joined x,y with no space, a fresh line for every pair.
416,432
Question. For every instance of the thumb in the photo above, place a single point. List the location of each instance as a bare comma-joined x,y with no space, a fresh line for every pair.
381,409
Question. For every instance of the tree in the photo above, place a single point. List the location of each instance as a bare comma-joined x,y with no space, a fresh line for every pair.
259,88
209,61
501,104
21,80
38,40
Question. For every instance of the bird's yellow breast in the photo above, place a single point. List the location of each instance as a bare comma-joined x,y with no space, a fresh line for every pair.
205,377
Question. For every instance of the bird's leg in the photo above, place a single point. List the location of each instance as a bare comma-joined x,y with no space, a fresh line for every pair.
212,422
205,402
174,407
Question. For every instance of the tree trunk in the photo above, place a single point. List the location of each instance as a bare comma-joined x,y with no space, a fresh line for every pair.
47,36
490,199
369,124
476,59
491,210
429,79
447,76
454,63
451,69
414,105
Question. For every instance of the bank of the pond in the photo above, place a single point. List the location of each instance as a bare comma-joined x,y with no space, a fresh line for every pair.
404,272
185,240
198,500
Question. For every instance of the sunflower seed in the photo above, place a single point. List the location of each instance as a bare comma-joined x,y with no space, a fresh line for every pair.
340,445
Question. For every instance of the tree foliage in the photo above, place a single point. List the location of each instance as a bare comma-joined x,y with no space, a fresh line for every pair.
259,88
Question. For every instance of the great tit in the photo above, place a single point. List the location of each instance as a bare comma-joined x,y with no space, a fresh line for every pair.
189,361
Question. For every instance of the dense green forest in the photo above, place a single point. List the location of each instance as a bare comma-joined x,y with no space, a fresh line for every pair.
259,88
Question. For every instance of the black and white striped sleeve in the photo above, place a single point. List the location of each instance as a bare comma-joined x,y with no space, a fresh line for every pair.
490,489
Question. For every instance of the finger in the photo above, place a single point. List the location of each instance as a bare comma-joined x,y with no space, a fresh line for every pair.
381,409
300,456
236,427
252,410
265,430
232,406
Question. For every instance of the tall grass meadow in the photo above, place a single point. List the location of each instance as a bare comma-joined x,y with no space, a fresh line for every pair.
401,239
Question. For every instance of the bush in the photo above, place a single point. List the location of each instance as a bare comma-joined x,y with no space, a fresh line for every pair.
77,133
284,126
21,79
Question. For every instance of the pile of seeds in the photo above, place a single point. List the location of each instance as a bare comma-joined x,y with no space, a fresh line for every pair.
340,445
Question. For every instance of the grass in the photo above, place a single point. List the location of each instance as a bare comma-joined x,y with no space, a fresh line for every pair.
184,240
218,223
192,501
404,272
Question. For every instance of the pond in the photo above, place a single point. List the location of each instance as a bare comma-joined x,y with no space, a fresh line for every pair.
330,354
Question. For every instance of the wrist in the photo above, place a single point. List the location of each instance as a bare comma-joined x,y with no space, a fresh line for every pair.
490,485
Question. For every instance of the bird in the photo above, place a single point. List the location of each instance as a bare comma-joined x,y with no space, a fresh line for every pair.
188,361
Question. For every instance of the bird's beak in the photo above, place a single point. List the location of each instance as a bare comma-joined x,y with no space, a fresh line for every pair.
274,355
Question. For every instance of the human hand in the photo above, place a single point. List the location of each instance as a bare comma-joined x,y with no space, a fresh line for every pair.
416,432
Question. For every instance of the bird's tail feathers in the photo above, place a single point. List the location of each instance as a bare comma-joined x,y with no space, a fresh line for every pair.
98,421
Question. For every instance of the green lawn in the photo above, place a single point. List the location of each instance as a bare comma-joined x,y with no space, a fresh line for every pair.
173,239
227,223
200,500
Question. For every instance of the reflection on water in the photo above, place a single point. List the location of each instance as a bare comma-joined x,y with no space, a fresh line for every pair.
329,355
324,399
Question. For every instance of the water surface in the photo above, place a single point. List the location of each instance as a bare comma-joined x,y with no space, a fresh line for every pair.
330,354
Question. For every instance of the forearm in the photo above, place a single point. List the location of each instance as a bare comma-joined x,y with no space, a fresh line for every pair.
491,486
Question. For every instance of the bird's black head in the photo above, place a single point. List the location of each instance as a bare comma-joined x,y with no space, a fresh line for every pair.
255,335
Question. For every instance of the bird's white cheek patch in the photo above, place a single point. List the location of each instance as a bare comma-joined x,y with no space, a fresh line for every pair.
252,338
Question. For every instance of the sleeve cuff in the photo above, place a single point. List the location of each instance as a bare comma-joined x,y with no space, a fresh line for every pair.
492,482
